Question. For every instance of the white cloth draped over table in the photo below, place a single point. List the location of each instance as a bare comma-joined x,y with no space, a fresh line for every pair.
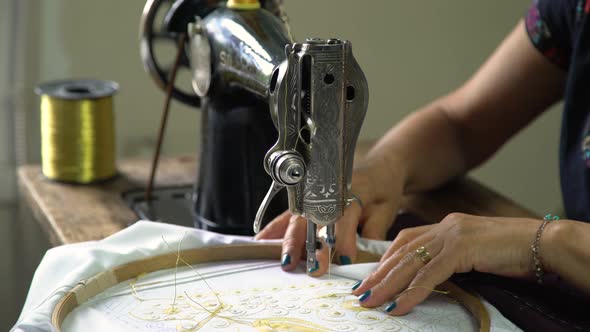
63,267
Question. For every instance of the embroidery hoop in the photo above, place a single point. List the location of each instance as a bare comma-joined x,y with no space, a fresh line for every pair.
93,286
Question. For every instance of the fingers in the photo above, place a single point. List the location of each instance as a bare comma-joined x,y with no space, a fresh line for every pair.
380,218
404,252
399,277
293,242
346,235
427,279
404,237
276,228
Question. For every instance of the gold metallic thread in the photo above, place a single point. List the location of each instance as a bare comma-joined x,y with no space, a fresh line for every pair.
77,139
243,4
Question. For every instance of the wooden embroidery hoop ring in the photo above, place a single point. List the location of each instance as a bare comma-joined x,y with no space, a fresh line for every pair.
92,286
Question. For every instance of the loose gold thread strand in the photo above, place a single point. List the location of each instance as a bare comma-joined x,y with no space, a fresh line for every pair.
215,312
136,287
134,291
330,263
161,283
176,266
423,287
404,324
212,313
206,320
197,272
190,278
132,283
333,254
197,303
221,306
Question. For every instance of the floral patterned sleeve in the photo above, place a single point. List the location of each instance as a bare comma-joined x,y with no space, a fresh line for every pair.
551,26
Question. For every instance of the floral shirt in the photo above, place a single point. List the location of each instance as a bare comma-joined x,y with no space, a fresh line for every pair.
560,30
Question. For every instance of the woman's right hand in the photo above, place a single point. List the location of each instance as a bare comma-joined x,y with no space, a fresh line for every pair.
378,189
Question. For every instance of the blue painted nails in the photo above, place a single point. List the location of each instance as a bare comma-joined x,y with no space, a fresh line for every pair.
390,307
345,260
365,296
315,268
286,260
357,285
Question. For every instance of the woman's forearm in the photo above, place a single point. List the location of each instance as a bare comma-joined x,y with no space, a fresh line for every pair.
461,130
565,250
423,149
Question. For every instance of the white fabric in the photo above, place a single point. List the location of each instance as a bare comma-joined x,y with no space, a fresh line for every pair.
255,293
63,267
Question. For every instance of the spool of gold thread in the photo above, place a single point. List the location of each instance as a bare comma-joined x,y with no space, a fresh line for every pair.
77,130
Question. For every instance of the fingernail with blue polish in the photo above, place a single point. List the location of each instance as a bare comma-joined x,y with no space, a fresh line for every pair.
315,268
390,307
357,285
345,260
286,260
365,296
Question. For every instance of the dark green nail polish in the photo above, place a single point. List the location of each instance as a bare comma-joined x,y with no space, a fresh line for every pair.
365,296
345,260
357,285
286,260
390,307
315,268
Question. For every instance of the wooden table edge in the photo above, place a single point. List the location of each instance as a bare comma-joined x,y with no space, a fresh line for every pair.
462,195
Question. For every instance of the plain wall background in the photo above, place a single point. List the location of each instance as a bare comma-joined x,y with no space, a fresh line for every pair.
411,52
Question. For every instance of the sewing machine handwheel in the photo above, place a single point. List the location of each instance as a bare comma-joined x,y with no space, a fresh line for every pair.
162,22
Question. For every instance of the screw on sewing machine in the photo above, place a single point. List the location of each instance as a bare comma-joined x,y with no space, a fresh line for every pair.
286,167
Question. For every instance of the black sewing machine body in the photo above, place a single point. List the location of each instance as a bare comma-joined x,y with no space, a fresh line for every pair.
231,65
246,47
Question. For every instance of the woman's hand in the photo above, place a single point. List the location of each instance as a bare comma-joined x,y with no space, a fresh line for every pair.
377,188
459,243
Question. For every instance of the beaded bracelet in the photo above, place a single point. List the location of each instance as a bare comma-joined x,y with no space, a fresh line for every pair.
537,265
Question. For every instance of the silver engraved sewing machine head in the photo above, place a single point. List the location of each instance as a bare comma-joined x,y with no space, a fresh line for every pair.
318,98
243,61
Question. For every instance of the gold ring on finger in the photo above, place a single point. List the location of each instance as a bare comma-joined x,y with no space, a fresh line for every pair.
423,254
354,198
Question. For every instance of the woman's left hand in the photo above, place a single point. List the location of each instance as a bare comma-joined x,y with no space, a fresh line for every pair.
459,243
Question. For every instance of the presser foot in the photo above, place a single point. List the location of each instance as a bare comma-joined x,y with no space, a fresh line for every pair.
312,262
331,237
311,245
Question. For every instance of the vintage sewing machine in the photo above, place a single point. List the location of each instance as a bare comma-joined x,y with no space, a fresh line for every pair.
275,114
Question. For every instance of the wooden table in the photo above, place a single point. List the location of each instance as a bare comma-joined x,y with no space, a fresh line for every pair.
73,213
